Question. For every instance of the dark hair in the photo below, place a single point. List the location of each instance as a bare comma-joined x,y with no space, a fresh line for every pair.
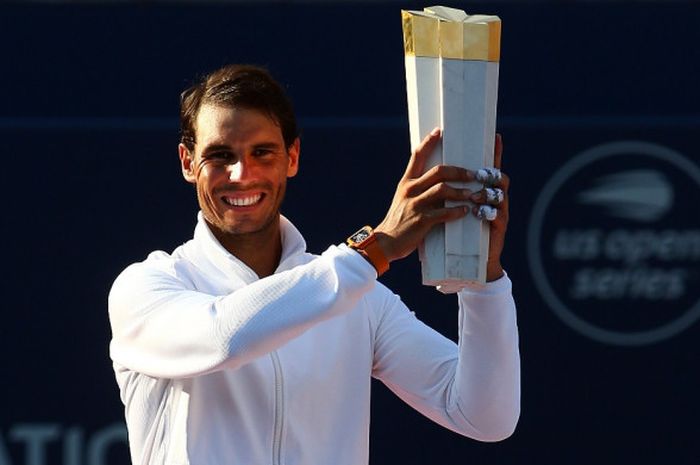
244,86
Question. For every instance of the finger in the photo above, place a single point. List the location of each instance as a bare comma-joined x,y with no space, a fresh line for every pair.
416,164
445,214
492,176
489,196
498,151
439,193
486,212
505,182
440,174
488,176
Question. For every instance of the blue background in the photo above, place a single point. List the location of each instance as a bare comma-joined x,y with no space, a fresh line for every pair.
88,124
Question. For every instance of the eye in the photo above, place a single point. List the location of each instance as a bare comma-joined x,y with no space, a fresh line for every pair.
220,156
261,151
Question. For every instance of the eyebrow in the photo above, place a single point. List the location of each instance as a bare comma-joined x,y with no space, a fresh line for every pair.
223,147
269,145
215,148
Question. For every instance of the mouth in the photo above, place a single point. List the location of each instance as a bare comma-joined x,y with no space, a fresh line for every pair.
243,200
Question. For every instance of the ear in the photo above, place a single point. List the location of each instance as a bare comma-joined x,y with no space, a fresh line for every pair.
187,164
293,155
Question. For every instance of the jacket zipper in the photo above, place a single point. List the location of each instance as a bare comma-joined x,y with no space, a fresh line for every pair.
279,410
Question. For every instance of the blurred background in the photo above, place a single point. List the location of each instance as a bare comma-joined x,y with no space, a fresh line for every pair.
598,107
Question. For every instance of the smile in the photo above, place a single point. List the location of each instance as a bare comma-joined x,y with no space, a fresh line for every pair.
243,201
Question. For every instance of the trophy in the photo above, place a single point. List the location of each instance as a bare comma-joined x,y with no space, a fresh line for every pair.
452,83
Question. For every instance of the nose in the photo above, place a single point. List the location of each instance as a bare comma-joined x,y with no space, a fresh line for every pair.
237,170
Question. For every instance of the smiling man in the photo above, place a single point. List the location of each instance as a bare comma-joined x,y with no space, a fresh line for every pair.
241,347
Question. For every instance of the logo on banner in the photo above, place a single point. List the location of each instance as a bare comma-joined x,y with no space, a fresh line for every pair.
52,443
614,243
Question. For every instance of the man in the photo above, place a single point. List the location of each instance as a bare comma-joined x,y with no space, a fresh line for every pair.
242,348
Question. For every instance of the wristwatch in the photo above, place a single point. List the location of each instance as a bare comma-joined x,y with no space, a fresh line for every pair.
365,243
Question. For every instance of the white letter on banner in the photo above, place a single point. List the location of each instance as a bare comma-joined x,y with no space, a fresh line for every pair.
101,440
4,456
73,446
35,437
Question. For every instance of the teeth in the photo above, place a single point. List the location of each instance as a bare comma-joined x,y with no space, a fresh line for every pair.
242,201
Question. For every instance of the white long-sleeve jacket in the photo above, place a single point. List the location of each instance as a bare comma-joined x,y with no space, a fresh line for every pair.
216,366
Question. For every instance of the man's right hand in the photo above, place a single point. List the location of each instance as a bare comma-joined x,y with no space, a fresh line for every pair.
419,201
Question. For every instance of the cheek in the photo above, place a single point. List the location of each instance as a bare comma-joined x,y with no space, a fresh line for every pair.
204,182
205,175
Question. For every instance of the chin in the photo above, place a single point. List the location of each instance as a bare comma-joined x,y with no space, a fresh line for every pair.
248,227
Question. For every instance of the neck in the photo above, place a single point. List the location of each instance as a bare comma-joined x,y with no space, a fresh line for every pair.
260,250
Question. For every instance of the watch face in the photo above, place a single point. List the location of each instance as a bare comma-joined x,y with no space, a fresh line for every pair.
360,236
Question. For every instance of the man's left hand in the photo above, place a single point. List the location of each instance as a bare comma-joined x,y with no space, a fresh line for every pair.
494,270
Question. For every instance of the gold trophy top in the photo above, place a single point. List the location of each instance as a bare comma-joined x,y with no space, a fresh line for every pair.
439,31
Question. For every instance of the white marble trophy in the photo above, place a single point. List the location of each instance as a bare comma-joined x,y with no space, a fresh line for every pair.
452,83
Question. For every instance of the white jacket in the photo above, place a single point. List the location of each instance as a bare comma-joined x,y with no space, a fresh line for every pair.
216,366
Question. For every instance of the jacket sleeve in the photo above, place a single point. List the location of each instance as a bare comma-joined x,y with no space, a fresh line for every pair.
472,388
163,328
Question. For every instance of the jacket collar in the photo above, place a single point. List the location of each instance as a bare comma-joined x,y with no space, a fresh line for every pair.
221,260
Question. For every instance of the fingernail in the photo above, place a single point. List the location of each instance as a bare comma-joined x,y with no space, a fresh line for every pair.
435,132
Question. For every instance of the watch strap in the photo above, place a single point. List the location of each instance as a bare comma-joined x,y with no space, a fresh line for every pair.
364,241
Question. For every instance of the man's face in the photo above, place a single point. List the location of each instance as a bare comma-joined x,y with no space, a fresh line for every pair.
240,168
